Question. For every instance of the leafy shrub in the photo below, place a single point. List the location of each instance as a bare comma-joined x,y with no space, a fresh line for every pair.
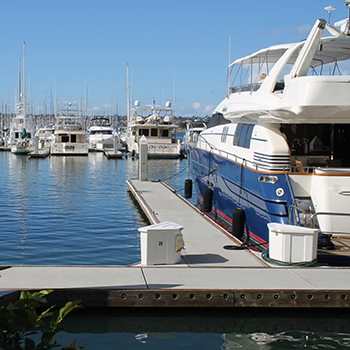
20,320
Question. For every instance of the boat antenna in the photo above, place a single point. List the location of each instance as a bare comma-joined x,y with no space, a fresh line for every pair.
329,8
347,4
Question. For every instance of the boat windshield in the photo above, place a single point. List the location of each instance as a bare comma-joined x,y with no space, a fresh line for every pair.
248,73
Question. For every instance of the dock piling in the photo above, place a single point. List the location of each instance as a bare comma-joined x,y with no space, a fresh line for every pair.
143,159
116,143
36,144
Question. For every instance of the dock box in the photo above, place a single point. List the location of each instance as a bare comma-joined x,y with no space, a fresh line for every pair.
289,243
161,244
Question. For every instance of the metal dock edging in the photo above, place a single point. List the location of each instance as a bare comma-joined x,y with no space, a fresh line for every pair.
207,298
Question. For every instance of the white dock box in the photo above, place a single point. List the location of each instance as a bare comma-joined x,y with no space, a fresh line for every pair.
289,243
161,244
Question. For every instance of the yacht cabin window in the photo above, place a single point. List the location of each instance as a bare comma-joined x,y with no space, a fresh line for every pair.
243,135
224,134
164,133
144,132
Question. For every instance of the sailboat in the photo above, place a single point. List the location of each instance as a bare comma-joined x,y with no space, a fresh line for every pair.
21,129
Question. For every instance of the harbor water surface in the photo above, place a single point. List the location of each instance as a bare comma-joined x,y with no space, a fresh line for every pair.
77,211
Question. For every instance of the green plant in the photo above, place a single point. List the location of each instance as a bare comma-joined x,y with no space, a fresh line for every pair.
20,320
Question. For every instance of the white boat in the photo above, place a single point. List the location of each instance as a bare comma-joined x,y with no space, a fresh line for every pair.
156,124
276,149
193,128
69,135
101,133
21,133
45,136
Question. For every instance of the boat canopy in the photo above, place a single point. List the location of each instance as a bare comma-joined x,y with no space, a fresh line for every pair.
331,49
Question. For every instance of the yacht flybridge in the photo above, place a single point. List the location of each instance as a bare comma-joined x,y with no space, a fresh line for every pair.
309,91
276,149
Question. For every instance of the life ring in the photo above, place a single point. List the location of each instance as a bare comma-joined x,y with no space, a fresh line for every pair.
24,144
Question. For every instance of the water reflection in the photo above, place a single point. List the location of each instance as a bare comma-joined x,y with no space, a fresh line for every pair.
230,329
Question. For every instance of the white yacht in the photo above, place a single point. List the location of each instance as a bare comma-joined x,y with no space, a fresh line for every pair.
276,149
156,124
101,133
69,135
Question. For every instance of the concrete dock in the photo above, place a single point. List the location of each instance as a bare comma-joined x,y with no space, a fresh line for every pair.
207,276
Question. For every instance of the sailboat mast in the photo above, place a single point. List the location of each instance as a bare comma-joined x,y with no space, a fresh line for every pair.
19,83
24,82
127,95
116,113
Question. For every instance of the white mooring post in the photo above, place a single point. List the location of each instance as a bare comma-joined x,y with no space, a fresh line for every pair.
143,159
36,144
116,143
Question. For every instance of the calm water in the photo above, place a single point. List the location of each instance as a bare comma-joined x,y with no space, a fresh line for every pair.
72,210
77,211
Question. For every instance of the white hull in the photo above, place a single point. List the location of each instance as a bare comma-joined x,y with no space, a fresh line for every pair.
19,149
157,150
66,149
106,141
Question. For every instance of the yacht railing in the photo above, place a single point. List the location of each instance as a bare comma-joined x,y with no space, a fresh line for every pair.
310,221
235,158
247,87
313,216
272,168
295,210
69,127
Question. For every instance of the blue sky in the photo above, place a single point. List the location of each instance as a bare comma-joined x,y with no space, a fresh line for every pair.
74,46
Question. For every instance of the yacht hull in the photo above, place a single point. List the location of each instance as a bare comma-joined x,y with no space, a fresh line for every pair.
236,186
64,149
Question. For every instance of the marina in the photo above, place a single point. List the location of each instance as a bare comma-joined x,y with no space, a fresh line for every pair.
183,221
95,260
